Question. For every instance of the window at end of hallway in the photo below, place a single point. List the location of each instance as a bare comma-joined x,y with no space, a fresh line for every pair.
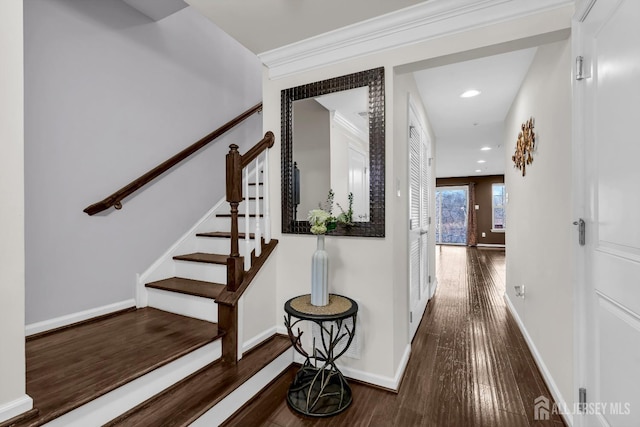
498,212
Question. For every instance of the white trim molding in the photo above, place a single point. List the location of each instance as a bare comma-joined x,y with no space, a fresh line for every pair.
390,383
15,407
260,338
70,319
548,378
414,24
490,245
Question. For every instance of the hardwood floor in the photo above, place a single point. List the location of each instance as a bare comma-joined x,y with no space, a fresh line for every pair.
469,366
68,368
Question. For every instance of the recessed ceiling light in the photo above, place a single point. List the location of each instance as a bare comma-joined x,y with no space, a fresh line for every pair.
478,170
485,148
470,93
482,161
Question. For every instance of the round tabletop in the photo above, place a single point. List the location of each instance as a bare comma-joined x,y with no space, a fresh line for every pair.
339,307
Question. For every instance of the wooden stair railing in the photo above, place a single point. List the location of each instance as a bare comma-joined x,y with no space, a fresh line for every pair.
242,270
116,198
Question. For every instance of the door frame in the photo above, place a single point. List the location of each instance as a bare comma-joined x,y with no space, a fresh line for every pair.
578,190
424,294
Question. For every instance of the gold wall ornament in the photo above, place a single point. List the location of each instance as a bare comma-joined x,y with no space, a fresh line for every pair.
524,146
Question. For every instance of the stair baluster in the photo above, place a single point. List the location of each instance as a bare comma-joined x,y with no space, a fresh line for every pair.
258,239
247,222
265,192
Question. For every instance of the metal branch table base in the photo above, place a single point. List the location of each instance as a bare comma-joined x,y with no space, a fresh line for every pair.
319,389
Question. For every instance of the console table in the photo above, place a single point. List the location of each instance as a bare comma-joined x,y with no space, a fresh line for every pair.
319,389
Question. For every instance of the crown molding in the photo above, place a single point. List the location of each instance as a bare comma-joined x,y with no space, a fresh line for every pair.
346,123
415,24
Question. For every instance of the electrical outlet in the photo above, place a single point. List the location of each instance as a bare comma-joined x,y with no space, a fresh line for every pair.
484,234
520,291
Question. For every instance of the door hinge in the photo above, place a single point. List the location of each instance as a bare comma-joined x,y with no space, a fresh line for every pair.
582,399
580,75
430,158
429,278
411,317
581,231
429,222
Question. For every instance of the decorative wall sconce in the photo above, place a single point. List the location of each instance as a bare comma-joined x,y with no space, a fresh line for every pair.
524,146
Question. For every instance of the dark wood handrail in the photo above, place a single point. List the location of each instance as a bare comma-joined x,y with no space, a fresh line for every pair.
115,199
266,142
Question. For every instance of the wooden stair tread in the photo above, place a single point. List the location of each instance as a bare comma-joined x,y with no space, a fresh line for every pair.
203,257
239,215
76,365
187,400
189,286
224,234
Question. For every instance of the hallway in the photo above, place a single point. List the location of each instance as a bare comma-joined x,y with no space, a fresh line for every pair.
469,366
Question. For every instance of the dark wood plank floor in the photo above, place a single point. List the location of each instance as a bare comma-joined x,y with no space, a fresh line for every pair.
469,366
70,367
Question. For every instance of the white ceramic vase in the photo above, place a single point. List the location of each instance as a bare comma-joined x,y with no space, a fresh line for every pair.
320,274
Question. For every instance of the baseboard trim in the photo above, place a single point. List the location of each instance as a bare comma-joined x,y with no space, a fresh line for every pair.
391,384
15,408
553,388
48,326
490,245
260,338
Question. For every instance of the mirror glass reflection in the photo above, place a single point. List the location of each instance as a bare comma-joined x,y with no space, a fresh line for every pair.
331,151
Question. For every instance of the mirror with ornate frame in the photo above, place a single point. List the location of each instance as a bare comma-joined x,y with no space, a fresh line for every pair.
296,103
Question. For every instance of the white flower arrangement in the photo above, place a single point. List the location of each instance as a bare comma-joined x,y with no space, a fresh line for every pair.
322,219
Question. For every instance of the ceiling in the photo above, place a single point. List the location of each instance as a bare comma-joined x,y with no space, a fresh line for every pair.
462,126
263,25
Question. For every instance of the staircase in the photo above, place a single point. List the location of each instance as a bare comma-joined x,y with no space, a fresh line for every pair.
177,359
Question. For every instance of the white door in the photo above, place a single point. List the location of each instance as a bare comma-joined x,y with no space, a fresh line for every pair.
608,104
419,171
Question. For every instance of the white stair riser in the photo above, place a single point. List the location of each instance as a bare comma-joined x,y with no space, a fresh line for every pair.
201,271
224,224
111,405
221,245
234,401
252,206
185,305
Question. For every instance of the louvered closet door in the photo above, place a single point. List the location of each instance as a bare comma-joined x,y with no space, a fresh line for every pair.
415,203
424,215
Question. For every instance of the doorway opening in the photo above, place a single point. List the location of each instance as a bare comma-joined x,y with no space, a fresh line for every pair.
452,206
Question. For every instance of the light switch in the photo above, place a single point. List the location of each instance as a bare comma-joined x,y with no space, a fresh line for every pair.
477,207
484,234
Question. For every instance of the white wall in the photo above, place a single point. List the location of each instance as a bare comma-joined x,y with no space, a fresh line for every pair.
12,363
368,269
539,239
109,94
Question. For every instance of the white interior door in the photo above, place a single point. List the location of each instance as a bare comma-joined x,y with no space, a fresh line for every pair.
419,172
609,40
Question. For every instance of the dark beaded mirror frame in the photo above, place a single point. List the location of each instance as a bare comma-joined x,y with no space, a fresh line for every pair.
374,79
